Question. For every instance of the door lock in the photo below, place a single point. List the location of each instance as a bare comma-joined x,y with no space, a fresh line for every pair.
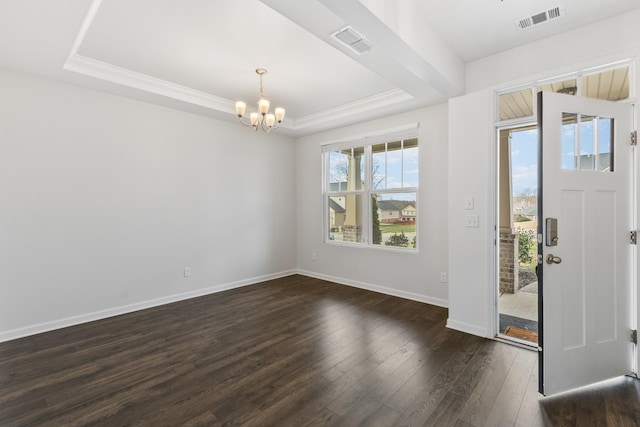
552,259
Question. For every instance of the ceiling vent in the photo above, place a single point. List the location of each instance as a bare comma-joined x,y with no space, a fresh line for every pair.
355,41
540,18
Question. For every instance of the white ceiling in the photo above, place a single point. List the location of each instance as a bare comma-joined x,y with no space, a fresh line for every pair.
200,55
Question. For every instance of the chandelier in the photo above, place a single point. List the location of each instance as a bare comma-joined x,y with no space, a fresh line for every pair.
262,119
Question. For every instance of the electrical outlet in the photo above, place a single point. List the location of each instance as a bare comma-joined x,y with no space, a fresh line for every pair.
187,272
472,221
314,257
443,277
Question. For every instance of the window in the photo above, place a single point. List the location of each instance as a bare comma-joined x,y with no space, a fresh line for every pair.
370,191
587,143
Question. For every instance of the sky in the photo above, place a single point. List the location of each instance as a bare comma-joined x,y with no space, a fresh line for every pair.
524,161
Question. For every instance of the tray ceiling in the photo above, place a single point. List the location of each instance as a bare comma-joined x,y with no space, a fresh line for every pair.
200,55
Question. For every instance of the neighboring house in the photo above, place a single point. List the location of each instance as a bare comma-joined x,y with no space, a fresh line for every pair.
393,211
588,162
530,213
409,212
337,212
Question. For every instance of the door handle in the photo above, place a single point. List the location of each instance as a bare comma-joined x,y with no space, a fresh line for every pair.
552,259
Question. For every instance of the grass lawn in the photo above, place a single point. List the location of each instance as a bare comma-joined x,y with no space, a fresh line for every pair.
397,228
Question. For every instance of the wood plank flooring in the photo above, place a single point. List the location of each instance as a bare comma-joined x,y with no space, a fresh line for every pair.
296,351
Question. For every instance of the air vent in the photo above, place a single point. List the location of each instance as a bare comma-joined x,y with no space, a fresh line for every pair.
540,18
355,41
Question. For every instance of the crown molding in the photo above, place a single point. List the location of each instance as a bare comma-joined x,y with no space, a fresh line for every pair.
363,105
123,76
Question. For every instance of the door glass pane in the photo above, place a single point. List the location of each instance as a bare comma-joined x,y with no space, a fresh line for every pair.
587,142
605,144
569,141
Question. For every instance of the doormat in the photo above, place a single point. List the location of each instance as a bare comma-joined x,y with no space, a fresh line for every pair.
522,334
518,322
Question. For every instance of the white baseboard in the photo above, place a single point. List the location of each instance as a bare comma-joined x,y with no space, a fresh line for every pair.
467,328
380,289
116,311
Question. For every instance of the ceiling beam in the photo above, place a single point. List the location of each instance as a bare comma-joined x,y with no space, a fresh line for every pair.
393,58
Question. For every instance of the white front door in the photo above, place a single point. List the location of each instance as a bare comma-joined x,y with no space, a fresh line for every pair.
586,261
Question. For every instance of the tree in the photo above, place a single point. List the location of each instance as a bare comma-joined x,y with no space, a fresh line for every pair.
527,198
526,240
398,240
375,221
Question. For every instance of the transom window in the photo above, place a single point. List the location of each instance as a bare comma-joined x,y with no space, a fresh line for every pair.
370,191
611,84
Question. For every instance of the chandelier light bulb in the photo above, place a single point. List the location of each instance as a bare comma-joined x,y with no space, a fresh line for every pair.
241,107
279,114
270,119
263,106
255,119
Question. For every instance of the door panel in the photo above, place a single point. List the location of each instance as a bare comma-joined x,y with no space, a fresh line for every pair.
586,292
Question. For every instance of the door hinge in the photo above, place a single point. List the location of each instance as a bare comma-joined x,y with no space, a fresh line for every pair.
634,336
634,137
633,237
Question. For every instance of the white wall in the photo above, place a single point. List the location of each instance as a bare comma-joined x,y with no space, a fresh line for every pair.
471,137
471,158
410,275
104,200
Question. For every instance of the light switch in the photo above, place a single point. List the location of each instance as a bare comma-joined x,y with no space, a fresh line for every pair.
468,203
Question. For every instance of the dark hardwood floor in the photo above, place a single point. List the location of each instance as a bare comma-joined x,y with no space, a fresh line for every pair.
295,351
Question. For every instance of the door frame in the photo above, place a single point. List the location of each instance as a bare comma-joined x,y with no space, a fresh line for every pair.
527,122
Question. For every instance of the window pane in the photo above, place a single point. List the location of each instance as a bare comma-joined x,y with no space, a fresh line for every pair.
410,163
569,87
346,169
395,164
394,219
569,141
338,163
612,85
379,164
345,218
605,144
514,105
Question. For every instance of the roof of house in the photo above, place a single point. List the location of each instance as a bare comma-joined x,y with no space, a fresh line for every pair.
394,205
335,206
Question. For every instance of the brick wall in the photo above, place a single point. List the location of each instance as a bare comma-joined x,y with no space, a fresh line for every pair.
508,263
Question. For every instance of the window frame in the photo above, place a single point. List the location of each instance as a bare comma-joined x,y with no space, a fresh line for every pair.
367,190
